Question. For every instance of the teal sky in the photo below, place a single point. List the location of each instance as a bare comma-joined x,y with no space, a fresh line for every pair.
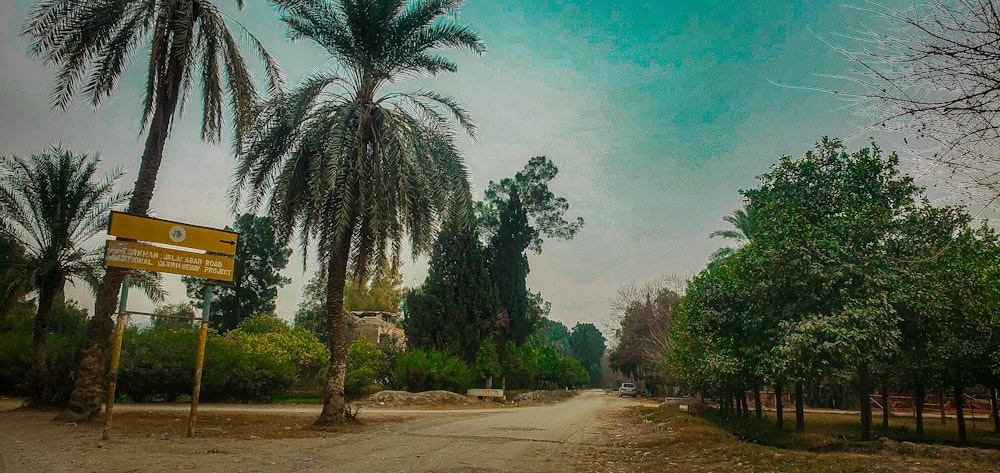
656,112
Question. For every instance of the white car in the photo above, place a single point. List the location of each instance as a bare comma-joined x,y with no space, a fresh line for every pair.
627,389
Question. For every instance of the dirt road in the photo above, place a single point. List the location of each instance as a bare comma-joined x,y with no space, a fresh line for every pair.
545,438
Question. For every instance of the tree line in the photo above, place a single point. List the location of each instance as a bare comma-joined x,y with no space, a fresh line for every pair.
848,276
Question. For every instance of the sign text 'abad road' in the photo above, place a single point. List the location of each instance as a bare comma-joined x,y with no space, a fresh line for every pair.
134,255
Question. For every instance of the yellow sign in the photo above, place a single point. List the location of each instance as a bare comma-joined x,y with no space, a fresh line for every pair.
172,233
134,255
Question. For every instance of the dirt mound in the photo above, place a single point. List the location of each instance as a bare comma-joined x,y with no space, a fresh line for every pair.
545,397
426,398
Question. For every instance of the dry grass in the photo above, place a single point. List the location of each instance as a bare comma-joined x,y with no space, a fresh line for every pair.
665,439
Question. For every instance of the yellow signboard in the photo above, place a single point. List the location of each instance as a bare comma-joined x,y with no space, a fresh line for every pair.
134,255
172,233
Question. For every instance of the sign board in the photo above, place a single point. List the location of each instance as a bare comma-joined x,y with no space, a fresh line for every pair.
135,255
167,232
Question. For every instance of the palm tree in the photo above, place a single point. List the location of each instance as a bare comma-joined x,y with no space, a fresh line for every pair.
349,167
92,42
50,203
743,221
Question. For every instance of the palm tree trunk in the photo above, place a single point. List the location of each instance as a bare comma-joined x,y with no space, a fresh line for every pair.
49,286
334,403
85,401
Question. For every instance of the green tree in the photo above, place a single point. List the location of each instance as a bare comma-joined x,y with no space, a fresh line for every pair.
588,345
352,167
456,308
826,219
515,214
92,43
50,204
554,334
256,277
382,291
170,314
12,285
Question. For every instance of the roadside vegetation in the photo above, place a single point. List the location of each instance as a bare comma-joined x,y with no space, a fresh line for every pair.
667,439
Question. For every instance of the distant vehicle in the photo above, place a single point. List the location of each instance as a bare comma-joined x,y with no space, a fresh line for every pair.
627,389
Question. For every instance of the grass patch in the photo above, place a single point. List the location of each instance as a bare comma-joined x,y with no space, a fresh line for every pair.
829,444
299,398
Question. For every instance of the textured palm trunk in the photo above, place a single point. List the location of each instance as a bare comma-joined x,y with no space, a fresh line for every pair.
334,403
41,388
86,400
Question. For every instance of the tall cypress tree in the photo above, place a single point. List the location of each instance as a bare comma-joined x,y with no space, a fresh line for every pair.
516,213
456,308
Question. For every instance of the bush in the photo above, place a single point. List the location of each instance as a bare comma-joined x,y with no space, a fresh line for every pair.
67,327
364,362
254,363
418,370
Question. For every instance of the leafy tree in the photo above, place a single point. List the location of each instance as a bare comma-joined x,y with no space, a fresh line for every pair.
456,307
825,220
256,277
588,345
169,314
350,166
50,204
12,263
488,362
553,334
515,214
382,292
92,42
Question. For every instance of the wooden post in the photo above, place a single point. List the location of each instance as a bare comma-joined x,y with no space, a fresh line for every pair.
116,353
200,359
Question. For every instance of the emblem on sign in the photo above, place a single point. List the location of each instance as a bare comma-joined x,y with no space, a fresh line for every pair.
177,233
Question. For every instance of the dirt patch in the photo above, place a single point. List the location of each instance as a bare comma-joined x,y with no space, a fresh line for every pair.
639,442
544,397
426,399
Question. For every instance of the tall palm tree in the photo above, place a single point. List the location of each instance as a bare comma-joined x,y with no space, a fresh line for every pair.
743,221
92,42
51,203
350,167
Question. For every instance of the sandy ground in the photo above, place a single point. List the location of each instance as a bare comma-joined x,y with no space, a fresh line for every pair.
238,438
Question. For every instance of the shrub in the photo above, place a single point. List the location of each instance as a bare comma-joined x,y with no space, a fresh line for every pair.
157,362
418,370
254,363
364,360
67,326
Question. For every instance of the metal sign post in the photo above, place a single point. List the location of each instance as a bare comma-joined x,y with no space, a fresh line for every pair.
217,263
116,353
200,359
